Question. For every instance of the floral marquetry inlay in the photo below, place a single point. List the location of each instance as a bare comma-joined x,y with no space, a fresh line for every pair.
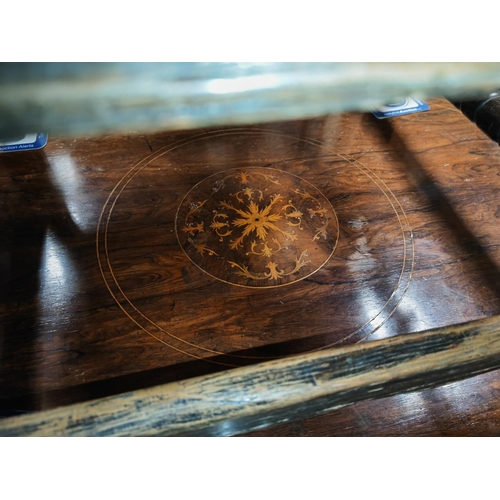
257,227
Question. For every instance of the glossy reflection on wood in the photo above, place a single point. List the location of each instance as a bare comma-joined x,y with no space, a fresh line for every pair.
196,259
104,288
257,227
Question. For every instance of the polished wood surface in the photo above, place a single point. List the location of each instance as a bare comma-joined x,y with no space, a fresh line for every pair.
264,394
99,297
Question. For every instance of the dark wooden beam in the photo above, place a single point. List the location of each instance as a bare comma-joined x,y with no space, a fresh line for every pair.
258,396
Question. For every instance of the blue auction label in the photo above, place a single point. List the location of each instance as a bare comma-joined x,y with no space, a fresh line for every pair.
23,143
406,107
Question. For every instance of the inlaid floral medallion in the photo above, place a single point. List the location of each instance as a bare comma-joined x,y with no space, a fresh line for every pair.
257,227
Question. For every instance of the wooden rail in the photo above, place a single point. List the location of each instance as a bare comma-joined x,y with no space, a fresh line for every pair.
92,98
253,397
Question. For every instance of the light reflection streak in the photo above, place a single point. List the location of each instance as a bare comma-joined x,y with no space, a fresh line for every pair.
66,176
413,404
413,311
243,84
371,304
56,272
58,287
459,396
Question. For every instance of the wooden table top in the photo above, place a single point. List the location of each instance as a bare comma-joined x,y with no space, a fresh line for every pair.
133,260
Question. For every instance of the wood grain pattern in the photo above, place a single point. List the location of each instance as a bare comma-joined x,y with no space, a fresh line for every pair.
64,339
249,398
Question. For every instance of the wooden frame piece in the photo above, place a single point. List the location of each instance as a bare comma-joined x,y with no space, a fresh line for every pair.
244,399
75,99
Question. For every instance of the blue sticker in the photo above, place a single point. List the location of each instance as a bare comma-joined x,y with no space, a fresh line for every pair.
406,107
28,142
